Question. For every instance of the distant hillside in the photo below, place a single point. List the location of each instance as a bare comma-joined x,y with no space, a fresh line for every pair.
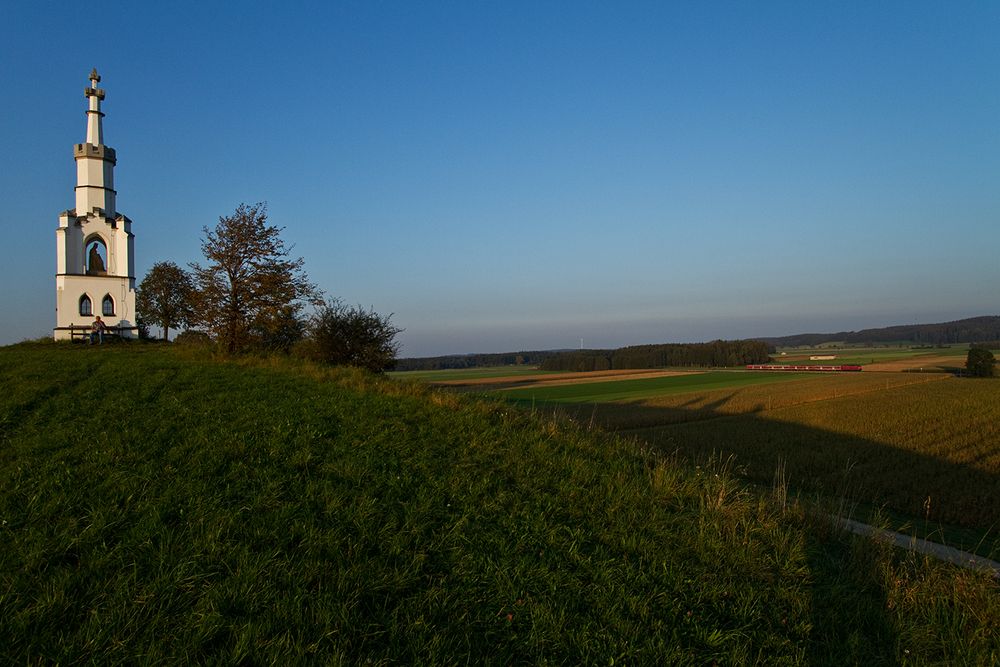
970,330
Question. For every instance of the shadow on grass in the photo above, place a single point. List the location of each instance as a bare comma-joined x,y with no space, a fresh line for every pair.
847,604
836,465
842,474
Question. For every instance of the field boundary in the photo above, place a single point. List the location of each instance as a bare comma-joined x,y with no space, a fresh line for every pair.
920,545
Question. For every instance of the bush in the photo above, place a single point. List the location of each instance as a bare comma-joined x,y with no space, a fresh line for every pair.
980,363
350,335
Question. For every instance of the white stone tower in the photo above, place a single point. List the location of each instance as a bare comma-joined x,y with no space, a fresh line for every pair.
95,257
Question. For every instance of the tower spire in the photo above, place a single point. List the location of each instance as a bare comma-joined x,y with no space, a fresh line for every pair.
95,129
95,248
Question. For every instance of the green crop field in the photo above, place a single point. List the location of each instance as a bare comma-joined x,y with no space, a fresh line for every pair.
634,389
159,505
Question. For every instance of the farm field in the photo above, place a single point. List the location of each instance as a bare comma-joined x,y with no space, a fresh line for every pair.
641,388
924,446
268,511
930,450
928,363
557,378
459,374
884,359
758,397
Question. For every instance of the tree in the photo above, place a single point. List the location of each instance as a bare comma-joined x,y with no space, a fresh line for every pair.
980,363
249,281
164,297
351,335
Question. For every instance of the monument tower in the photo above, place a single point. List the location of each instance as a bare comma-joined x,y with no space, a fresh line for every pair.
95,257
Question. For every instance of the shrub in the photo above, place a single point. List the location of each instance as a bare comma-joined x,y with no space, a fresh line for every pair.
350,335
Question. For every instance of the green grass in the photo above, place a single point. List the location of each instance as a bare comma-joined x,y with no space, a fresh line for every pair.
157,507
630,390
468,373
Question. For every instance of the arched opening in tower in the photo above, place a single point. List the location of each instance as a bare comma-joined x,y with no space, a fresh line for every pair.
96,254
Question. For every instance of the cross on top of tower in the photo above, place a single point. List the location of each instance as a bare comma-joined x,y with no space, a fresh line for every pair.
95,133
93,91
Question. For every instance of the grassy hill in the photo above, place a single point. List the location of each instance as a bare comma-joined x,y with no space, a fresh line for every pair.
157,506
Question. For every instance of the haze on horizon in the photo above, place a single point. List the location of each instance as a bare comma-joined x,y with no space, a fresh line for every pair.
522,175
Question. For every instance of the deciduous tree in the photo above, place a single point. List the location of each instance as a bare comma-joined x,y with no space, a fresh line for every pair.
980,363
249,280
164,297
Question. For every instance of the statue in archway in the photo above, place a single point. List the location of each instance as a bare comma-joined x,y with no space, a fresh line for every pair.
95,264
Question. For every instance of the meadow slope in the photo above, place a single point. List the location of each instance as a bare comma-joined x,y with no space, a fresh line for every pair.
160,507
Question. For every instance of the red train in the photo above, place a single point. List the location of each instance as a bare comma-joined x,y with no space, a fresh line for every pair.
788,367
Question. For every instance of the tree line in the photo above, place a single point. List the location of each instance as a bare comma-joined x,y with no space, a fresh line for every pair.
716,353
251,294
456,361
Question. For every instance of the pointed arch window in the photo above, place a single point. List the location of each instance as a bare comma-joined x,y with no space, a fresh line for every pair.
107,305
86,307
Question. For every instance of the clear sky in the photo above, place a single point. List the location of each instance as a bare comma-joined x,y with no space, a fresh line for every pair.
521,175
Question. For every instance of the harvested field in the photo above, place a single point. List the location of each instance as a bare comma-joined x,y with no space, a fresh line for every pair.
929,450
756,398
933,363
646,386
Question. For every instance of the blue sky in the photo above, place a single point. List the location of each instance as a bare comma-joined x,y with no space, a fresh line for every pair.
505,175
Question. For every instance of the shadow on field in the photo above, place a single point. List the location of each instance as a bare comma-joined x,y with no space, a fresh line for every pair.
849,580
836,465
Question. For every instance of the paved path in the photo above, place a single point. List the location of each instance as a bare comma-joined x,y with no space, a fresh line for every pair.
939,551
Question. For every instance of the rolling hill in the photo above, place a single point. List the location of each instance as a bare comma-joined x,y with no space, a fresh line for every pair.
162,505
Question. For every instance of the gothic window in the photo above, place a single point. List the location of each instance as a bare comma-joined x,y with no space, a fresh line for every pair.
86,308
107,305
96,256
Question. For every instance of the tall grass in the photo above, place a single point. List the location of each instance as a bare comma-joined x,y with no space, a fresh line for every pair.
162,508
